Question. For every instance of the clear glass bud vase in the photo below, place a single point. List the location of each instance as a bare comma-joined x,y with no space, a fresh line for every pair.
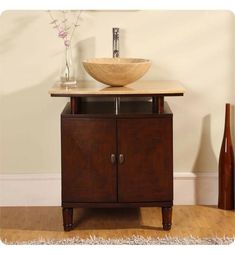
67,74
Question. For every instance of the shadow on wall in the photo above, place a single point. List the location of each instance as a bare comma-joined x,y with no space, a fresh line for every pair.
20,24
206,158
30,121
84,49
205,161
232,90
122,42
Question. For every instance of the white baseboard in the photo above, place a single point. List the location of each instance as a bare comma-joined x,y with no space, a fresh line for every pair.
30,190
45,189
195,188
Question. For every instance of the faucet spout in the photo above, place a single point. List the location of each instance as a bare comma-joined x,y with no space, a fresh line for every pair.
115,42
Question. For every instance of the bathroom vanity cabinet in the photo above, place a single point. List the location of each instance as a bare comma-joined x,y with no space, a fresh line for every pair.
117,157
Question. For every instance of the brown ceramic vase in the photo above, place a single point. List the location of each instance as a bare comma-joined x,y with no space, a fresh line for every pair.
226,167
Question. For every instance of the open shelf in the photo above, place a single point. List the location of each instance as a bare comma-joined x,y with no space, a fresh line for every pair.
108,108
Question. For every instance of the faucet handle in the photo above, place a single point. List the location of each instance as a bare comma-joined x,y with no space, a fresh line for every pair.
115,33
115,29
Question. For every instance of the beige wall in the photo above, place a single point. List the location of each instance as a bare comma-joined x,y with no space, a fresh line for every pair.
194,47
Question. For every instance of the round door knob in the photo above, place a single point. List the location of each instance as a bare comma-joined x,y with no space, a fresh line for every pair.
113,159
121,158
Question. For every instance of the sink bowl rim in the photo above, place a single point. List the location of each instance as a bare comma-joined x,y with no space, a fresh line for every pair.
117,61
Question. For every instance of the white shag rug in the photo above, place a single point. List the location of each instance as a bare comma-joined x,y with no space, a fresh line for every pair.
134,240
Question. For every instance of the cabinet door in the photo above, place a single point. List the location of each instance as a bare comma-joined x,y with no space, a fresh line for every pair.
88,175
145,172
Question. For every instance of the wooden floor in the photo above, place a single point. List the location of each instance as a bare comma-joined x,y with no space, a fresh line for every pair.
29,223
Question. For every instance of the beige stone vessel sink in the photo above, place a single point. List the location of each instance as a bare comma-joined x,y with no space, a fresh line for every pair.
117,71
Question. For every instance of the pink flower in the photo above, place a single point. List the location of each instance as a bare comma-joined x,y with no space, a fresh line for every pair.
62,34
67,43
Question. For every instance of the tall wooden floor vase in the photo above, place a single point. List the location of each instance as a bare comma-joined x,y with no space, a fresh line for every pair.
226,167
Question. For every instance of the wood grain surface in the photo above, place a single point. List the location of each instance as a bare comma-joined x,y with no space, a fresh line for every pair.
29,223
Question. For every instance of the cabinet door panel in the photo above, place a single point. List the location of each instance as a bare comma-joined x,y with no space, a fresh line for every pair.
146,173
88,174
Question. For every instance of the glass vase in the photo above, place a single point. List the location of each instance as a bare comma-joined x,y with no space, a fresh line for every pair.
67,74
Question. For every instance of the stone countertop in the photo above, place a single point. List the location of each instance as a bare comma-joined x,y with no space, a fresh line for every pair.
138,88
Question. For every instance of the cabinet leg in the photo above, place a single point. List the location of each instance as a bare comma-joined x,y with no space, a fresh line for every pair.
166,217
68,218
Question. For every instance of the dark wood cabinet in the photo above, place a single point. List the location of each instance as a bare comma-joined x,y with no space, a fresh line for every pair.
117,155
146,171
87,172
116,160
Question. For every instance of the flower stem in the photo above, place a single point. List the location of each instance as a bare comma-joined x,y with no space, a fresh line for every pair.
67,73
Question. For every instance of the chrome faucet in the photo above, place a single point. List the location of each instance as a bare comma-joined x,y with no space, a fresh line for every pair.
116,55
115,42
